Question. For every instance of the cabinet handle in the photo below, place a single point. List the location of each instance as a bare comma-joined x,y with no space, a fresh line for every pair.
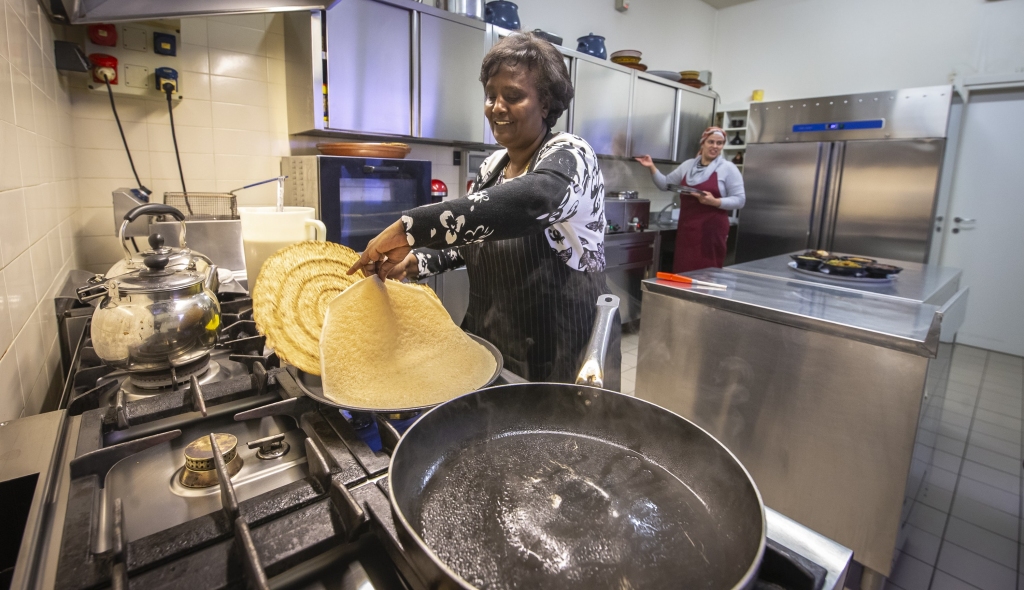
379,169
964,219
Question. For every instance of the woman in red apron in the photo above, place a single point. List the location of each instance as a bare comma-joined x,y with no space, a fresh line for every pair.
703,217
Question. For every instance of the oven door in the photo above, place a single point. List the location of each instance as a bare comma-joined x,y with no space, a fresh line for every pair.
359,197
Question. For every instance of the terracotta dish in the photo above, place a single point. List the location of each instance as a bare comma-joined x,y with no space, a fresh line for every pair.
689,74
630,53
365,150
625,60
640,67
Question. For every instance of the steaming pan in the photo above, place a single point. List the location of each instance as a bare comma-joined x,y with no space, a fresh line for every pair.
312,385
545,485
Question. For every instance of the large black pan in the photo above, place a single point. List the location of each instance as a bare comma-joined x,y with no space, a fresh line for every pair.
544,485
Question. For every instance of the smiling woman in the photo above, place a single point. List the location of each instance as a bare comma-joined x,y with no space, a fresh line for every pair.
531,231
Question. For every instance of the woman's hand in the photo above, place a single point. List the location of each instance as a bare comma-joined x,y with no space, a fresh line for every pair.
407,269
647,162
384,252
706,198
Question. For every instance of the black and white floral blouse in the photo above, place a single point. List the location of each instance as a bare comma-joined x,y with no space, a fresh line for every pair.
561,194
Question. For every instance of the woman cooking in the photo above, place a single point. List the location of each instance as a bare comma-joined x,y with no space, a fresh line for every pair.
531,231
703,216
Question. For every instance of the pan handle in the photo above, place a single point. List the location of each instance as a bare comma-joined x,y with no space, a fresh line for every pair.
592,371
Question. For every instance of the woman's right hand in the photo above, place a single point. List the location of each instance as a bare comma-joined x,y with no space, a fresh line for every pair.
646,162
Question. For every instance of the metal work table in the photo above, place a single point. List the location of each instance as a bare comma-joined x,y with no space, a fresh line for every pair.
818,389
918,282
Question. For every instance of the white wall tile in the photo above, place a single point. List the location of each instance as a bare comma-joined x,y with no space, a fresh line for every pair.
13,225
35,62
29,346
97,163
238,142
195,86
103,134
276,71
6,328
29,157
275,46
42,272
24,115
95,104
33,20
246,168
240,116
198,169
11,398
6,88
67,247
37,394
3,30
188,113
194,58
234,64
193,31
96,221
99,250
56,259
238,91
18,42
275,22
191,140
95,192
10,158
221,35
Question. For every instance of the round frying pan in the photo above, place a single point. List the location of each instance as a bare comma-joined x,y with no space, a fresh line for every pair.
312,386
543,485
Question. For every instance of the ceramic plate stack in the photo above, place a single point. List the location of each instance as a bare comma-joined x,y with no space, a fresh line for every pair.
691,78
629,58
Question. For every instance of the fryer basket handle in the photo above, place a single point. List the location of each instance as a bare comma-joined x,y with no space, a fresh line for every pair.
592,371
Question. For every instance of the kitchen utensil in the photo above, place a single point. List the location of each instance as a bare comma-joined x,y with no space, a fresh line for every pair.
364,150
157,315
879,271
266,230
692,83
689,74
667,276
673,76
547,485
823,274
843,268
737,140
807,262
312,385
592,45
684,190
859,259
503,14
549,37
623,60
470,8
204,206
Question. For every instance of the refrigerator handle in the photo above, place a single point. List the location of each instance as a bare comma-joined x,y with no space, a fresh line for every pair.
835,182
818,197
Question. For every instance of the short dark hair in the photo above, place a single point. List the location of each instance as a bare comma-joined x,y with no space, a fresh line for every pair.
552,77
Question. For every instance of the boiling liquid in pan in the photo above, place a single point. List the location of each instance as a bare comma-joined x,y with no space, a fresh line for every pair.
564,511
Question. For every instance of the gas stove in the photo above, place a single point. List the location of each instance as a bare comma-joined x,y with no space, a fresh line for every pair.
228,476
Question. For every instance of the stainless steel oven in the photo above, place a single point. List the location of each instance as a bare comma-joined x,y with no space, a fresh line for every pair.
356,198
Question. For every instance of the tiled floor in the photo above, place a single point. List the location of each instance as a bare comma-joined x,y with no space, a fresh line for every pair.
629,344
964,527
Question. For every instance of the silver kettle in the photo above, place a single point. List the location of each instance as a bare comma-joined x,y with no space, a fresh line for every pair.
157,313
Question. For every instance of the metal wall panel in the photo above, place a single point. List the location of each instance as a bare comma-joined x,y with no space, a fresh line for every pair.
369,63
782,184
696,112
450,91
909,113
654,106
601,111
886,196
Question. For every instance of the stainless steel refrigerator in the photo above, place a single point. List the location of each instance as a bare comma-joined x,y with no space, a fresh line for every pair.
856,173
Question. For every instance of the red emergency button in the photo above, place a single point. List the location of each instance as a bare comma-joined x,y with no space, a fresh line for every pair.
438,190
104,35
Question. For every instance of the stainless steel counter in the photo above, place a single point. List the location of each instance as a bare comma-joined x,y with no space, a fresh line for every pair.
816,388
920,283
894,323
819,549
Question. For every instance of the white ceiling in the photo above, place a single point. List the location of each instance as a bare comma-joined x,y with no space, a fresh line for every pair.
725,3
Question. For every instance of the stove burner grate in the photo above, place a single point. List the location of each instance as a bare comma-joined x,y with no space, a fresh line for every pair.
174,376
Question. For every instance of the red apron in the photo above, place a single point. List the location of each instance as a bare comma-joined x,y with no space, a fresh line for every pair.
703,230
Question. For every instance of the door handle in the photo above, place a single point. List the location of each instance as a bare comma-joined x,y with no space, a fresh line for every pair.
964,220
379,169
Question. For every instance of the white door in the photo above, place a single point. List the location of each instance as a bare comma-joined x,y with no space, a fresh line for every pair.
984,229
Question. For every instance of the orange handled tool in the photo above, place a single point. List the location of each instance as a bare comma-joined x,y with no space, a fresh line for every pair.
667,276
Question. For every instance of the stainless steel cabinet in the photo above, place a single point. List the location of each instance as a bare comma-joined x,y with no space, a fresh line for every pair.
369,68
450,91
653,119
696,111
601,109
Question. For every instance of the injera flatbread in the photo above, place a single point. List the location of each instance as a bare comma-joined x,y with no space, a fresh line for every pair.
386,345
291,295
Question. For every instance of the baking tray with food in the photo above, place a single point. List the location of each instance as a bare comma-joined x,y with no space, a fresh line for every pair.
848,268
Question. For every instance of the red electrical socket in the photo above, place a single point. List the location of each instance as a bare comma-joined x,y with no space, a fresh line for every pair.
104,35
102,61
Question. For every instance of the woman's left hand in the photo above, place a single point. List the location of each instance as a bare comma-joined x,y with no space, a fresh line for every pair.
384,252
706,198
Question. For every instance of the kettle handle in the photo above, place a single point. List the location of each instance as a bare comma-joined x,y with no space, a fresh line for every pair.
149,209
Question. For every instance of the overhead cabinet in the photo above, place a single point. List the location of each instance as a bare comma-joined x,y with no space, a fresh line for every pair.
399,68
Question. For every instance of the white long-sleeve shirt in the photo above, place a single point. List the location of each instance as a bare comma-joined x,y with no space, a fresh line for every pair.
730,182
